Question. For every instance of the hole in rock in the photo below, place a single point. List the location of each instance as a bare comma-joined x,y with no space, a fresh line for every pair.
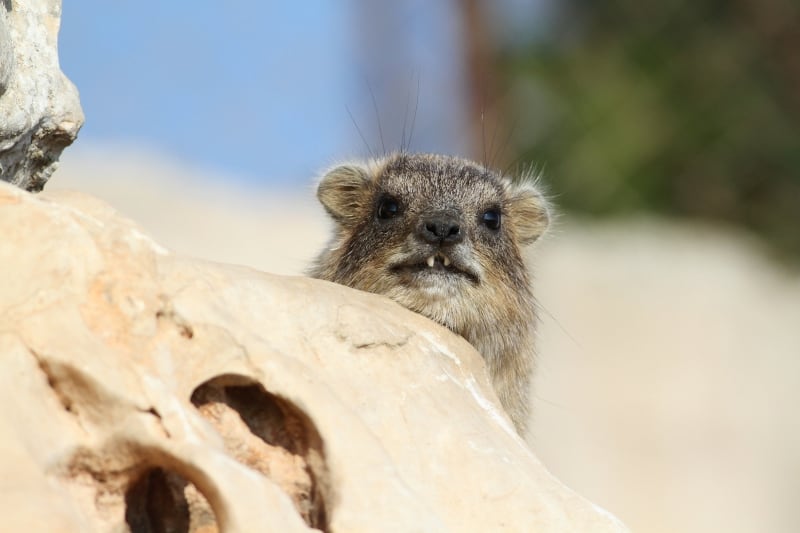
161,501
271,435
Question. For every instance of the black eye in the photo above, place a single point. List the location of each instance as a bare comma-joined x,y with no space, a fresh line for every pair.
388,208
491,219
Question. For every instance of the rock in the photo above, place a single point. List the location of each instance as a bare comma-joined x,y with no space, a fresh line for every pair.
40,113
145,391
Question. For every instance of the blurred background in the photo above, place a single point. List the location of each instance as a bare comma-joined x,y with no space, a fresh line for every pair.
668,133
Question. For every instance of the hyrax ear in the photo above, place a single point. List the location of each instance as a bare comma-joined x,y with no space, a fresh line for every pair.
528,210
343,191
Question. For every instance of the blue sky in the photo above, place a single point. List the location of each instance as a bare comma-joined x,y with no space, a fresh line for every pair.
260,90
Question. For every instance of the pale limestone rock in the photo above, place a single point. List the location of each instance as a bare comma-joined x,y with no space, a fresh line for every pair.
142,388
40,113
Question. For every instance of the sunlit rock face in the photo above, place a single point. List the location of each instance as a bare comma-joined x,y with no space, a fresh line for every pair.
40,113
146,391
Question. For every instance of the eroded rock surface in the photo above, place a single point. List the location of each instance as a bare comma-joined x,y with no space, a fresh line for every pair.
147,392
40,113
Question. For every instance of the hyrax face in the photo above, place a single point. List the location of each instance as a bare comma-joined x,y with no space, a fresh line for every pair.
440,235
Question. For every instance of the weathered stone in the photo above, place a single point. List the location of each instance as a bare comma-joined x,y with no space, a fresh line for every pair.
40,113
146,390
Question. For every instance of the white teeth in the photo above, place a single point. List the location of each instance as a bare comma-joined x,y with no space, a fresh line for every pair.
446,261
430,261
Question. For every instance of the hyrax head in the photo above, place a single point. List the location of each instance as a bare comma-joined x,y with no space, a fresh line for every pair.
440,235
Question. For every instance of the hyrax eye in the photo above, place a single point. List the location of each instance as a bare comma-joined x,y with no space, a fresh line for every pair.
491,219
388,208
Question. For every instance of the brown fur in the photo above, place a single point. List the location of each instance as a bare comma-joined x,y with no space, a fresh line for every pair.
484,294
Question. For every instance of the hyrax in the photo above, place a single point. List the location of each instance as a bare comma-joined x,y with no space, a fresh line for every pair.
443,236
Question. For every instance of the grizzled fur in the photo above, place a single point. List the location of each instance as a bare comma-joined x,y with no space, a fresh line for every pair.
386,238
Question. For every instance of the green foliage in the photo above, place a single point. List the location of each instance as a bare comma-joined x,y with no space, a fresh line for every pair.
683,108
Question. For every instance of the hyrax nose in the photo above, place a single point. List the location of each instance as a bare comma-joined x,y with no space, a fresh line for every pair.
442,230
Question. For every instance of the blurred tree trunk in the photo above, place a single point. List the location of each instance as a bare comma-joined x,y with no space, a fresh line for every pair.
487,132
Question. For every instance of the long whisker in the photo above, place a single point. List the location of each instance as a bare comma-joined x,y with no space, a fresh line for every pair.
414,117
377,116
538,304
483,139
403,146
501,150
360,134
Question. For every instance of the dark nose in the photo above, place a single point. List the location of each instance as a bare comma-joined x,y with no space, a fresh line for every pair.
441,229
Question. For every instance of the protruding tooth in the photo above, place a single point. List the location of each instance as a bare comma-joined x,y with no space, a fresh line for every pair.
446,261
430,261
